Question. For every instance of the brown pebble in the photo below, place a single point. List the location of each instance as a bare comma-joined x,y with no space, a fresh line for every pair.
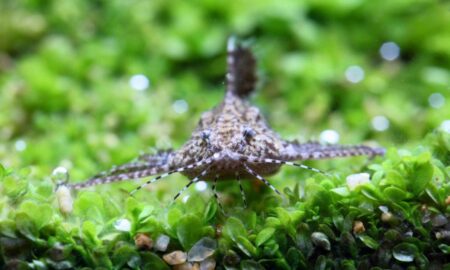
447,200
143,241
358,227
175,257
386,217
208,264
184,266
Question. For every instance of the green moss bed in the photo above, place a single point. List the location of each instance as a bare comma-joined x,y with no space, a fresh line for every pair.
67,102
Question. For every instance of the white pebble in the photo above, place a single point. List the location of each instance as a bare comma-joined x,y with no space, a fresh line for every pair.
355,180
123,225
162,242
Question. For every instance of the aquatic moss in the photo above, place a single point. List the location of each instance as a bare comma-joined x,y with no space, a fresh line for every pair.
66,101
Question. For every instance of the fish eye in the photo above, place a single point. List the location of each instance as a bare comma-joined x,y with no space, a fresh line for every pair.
248,133
205,134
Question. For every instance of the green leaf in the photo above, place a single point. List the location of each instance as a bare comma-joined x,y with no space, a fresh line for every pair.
146,212
151,261
173,216
246,246
89,205
296,259
420,174
90,234
369,241
251,265
264,235
2,172
26,226
283,216
189,230
234,228
273,222
371,193
41,213
396,194
211,210
8,228
124,254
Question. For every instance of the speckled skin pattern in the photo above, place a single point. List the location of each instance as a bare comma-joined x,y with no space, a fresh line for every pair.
234,130
231,141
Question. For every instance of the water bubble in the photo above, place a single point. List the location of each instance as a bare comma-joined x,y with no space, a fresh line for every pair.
201,186
20,145
329,136
354,74
162,242
380,123
123,225
60,175
139,82
180,106
390,51
445,126
436,100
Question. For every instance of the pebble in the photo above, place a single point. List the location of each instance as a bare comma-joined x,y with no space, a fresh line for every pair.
355,180
208,264
439,220
321,240
143,241
187,266
447,200
175,257
162,242
203,249
358,227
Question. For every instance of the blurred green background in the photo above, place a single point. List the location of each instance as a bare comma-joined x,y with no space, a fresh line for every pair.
88,84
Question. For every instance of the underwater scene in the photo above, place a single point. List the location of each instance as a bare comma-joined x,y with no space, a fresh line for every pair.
229,135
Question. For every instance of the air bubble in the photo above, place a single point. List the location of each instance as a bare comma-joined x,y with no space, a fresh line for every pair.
180,106
390,51
20,145
60,175
201,186
445,126
436,100
329,136
354,74
380,123
139,82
